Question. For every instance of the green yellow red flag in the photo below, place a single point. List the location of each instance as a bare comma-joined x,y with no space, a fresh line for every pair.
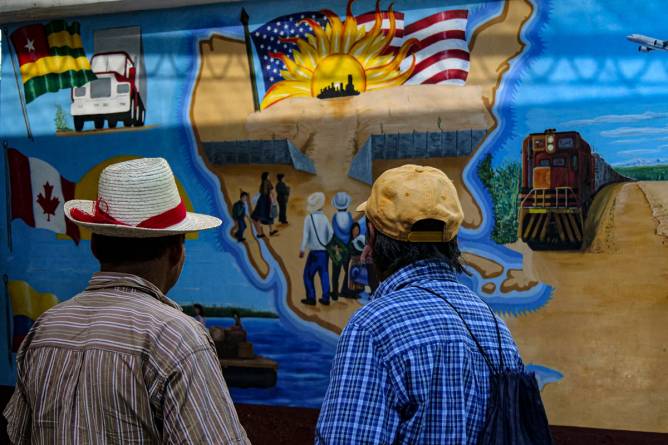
51,57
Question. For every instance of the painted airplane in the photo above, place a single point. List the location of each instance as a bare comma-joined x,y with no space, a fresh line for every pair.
648,44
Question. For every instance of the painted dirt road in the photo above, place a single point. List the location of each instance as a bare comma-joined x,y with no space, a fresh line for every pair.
614,360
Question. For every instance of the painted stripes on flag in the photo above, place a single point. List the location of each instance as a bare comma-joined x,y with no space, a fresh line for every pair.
442,54
51,57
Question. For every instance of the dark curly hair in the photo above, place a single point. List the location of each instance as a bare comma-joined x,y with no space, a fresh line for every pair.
390,255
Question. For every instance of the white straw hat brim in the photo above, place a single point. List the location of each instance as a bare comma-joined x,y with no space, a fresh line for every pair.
315,202
193,222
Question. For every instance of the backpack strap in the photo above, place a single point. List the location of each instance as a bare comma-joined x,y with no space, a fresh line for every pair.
475,340
498,338
315,230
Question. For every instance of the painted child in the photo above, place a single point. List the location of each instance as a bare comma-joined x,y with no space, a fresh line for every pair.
239,212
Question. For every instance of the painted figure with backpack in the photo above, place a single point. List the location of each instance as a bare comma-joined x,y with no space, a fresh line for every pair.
239,213
342,222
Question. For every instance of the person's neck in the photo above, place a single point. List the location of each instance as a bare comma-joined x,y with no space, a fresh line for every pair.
150,272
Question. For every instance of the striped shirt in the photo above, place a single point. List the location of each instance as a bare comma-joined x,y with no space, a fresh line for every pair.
406,370
120,363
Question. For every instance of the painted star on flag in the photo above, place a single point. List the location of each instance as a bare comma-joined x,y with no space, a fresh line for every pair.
30,45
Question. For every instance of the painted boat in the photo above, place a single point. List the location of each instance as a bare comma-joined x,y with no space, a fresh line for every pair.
242,368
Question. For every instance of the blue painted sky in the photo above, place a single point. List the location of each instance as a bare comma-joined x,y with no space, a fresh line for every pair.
589,78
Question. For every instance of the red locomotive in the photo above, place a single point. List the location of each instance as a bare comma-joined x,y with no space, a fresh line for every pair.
560,176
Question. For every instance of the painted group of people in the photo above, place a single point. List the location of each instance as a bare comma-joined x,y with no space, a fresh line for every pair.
339,243
269,203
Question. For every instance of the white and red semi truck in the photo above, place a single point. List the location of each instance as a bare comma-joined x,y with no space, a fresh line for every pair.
119,92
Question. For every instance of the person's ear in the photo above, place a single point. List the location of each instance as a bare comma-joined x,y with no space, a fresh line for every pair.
93,244
176,253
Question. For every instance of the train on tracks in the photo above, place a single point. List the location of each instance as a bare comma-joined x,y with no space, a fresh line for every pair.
560,176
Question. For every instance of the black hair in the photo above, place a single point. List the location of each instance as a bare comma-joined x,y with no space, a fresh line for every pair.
390,255
243,194
355,224
200,308
280,176
264,175
118,250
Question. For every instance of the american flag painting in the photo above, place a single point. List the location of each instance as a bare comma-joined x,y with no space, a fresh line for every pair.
442,53
294,50
270,39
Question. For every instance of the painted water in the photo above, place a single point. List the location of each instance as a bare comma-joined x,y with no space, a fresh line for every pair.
303,363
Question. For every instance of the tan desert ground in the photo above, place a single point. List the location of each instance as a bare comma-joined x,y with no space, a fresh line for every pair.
605,327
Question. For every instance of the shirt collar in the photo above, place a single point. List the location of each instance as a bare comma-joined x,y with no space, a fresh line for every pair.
106,280
419,271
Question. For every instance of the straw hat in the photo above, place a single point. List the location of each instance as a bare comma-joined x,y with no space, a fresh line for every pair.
137,199
341,201
315,202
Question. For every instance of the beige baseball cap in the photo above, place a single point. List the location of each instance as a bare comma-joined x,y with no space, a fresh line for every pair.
402,196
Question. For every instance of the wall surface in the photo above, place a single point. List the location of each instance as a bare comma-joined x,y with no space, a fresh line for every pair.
225,92
18,10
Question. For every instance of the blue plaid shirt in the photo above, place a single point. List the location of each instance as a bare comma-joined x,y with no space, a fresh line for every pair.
406,370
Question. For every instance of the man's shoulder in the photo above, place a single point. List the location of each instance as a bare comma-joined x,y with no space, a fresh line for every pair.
184,333
318,218
408,302
138,318
172,324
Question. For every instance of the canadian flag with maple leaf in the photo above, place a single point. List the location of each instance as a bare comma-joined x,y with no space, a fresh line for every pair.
38,193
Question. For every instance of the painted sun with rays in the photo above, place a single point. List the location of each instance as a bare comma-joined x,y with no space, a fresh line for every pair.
330,54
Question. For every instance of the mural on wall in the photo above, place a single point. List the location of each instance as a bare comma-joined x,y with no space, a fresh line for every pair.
278,116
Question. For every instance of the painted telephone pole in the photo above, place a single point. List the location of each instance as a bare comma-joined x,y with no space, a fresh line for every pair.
8,194
249,55
8,314
19,86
